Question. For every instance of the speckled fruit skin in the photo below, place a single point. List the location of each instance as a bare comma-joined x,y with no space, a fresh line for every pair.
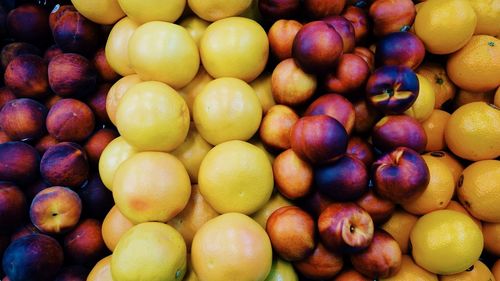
23,119
26,76
71,75
400,48
73,33
65,164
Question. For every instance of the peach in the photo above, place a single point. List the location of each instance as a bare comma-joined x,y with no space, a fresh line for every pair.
52,52
29,23
349,76
20,162
275,127
12,206
380,209
3,137
45,143
281,35
15,49
273,10
58,12
26,76
97,102
98,142
104,71
399,130
65,164
291,85
359,20
400,48
335,106
345,29
70,120
97,200
293,177
55,210
73,33
71,75
366,116
84,244
315,202
367,55
23,119
317,9
361,149
321,264
6,95
391,16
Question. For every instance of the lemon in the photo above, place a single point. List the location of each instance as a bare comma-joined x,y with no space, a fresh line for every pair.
424,104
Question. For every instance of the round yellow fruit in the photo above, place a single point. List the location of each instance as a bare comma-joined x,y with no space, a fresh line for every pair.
116,93
446,242
195,27
424,104
263,89
227,109
231,247
212,10
151,186
99,11
101,270
150,251
164,52
282,270
234,47
479,271
117,151
409,271
236,176
191,90
488,16
142,11
152,116
116,49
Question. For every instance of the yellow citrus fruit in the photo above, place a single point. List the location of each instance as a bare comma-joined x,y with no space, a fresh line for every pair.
116,93
231,247
476,66
236,176
196,213
151,186
450,161
234,47
424,104
456,206
434,129
117,151
282,270
114,225
488,16
165,52
399,227
446,242
258,143
150,251
473,131
212,10
479,190
410,271
153,116
191,90
263,89
445,26
495,269
142,11
195,27
101,270
464,97
478,271
227,109
116,49
191,152
438,192
491,234
99,11
496,99
444,89
275,202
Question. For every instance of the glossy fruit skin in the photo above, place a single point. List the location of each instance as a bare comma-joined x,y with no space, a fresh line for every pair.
74,33
15,49
361,149
335,106
65,164
281,35
72,75
379,208
321,264
23,119
20,162
359,20
349,76
391,16
345,29
399,130
70,120
26,76
400,48
392,89
400,175
318,9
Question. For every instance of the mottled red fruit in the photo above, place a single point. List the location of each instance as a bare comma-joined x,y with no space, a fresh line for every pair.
345,29
345,227
84,244
281,35
361,149
12,206
73,33
318,9
391,16
382,259
367,55
33,257
335,106
6,95
317,47
3,137
15,49
380,209
359,20
70,120
23,119
315,202
400,48
291,231
97,200
24,230
400,175
392,89
351,275
321,264
98,142
275,127
72,273
366,116
20,162
58,12
399,130
318,139
29,23
26,76
104,70
52,100
71,75
273,10
293,177
52,52
45,143
349,76
97,102
65,164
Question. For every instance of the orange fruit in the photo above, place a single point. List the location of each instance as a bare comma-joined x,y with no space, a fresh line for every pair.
450,161
218,9
434,129
445,26
479,190
438,192
275,202
473,131
496,99
101,270
444,89
196,213
488,16
410,271
456,206
231,247
478,271
399,227
495,269
114,225
491,234
465,97
99,11
476,66
116,93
